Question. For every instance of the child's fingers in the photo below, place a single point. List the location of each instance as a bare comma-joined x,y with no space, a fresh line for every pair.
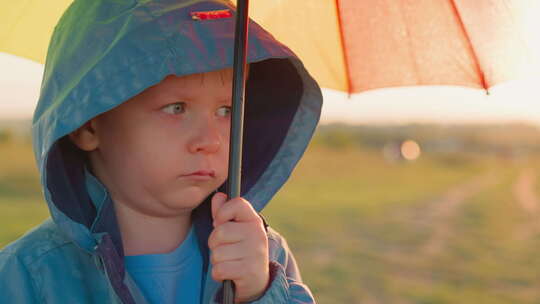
237,209
229,270
217,201
228,233
229,252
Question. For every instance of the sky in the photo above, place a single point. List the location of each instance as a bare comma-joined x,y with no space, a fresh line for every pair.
516,101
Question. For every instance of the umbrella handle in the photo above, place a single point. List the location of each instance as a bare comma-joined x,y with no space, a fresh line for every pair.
237,119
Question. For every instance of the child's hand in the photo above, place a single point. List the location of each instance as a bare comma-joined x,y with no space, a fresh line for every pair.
239,247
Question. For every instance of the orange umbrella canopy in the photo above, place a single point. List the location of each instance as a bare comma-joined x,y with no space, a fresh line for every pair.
359,45
354,45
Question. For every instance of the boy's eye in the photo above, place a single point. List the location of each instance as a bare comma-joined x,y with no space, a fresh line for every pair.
224,111
175,108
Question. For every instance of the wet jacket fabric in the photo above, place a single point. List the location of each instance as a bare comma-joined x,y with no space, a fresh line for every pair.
104,52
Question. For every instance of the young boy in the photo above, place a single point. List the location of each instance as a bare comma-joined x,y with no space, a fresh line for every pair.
131,138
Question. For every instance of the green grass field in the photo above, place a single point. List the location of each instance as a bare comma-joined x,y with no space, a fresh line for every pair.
443,229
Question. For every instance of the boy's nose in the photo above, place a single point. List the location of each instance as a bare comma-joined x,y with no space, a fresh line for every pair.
207,139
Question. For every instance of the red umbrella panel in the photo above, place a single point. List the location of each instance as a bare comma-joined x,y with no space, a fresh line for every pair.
354,46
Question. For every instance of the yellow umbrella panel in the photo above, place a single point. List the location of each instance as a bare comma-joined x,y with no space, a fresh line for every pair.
27,26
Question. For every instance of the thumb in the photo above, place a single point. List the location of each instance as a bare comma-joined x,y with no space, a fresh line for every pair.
217,201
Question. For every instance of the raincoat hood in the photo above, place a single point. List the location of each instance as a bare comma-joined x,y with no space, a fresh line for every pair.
104,52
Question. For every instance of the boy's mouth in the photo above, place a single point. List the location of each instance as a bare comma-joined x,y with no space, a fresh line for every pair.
202,173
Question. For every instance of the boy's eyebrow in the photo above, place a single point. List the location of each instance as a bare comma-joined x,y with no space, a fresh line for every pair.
182,96
226,100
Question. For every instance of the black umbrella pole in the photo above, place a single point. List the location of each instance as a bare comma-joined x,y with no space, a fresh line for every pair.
237,119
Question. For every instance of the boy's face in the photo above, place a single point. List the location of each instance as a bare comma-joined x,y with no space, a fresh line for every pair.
147,149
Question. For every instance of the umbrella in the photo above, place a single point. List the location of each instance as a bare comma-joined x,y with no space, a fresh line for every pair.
352,45
355,46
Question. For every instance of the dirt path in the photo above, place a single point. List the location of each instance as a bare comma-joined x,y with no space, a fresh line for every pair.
435,217
441,211
526,198
524,191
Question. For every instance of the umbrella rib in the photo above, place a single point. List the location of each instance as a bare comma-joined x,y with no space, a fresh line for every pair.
466,34
344,50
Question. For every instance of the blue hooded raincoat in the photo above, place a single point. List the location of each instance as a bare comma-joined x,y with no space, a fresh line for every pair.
104,52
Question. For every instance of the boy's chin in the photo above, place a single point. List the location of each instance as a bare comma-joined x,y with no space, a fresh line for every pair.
186,199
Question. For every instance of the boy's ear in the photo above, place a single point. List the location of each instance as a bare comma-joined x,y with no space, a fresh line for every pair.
85,137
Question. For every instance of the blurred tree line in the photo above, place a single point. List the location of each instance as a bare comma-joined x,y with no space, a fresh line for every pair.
5,136
507,140
501,139
15,131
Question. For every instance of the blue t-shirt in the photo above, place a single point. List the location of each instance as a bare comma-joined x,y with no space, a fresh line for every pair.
173,277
